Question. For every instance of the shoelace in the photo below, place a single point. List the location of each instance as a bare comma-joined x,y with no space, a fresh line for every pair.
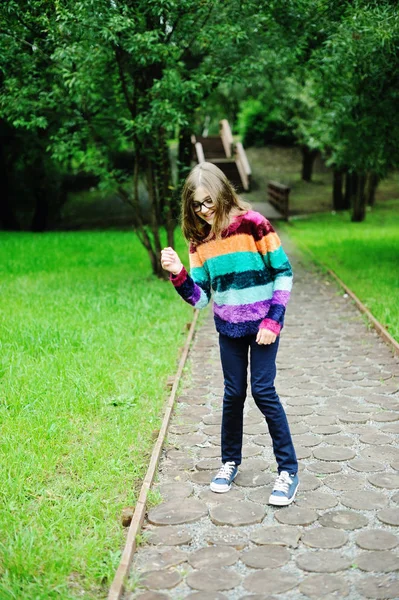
283,482
226,471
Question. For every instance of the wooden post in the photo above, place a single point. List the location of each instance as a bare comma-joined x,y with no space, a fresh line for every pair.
200,152
243,166
227,137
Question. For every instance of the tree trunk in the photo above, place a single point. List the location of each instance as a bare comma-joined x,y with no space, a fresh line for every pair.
359,200
185,154
371,188
338,196
169,206
308,158
155,223
40,216
8,220
156,172
351,180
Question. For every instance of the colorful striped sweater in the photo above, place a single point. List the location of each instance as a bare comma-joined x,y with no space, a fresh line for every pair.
246,271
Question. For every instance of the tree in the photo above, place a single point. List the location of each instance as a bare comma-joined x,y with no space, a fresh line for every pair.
331,70
287,37
353,85
28,113
108,76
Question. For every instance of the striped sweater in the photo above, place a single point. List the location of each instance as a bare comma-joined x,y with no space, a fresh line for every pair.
246,271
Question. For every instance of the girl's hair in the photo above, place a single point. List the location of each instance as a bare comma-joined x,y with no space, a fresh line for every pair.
223,195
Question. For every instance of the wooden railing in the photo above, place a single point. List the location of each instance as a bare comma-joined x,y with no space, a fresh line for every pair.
226,137
243,166
199,151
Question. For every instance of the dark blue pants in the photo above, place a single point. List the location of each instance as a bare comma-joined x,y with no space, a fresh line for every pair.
234,357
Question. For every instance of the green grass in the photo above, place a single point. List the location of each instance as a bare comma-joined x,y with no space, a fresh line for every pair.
364,255
88,337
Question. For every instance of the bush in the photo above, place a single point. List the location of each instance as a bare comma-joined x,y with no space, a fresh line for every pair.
260,125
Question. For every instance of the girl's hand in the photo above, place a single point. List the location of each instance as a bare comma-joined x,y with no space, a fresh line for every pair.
265,337
170,261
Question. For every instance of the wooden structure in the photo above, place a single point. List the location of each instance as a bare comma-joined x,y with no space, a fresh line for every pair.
199,152
278,196
243,166
220,151
226,136
212,146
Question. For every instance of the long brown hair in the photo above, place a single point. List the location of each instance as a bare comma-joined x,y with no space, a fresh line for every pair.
223,195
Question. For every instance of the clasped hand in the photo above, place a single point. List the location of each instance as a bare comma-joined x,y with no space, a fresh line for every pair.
265,337
170,261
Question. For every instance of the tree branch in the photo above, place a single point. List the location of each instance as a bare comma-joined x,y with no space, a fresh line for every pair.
32,46
196,29
123,81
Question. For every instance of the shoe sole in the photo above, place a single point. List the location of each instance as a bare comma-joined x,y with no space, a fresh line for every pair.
219,491
279,501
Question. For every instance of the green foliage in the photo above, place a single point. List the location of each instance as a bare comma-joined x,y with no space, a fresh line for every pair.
116,73
329,71
96,78
83,81
351,90
259,124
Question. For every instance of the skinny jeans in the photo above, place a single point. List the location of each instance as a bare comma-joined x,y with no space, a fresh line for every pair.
234,357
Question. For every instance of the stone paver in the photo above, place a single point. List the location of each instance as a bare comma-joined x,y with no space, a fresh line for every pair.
343,519
380,587
277,535
340,386
324,537
376,539
390,516
212,580
214,556
324,561
320,586
237,514
381,561
262,557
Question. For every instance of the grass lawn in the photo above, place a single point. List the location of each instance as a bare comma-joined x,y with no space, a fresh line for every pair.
364,255
88,338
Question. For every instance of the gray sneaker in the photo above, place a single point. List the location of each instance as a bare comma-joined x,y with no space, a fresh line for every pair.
222,481
284,490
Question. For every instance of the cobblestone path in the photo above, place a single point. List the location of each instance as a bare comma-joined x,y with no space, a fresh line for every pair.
339,384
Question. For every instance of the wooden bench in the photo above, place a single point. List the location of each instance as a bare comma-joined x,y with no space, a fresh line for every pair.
278,196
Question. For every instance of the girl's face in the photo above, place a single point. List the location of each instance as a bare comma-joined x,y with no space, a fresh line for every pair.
203,205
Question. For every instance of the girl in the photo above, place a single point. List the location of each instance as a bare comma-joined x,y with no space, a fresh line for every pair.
236,255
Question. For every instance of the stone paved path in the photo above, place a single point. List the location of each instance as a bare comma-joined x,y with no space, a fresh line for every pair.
339,384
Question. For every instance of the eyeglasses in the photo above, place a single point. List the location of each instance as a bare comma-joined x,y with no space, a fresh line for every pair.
197,206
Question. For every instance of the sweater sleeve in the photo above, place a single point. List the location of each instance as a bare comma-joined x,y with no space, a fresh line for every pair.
194,288
276,261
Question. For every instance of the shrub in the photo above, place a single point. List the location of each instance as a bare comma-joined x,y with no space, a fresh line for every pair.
259,125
